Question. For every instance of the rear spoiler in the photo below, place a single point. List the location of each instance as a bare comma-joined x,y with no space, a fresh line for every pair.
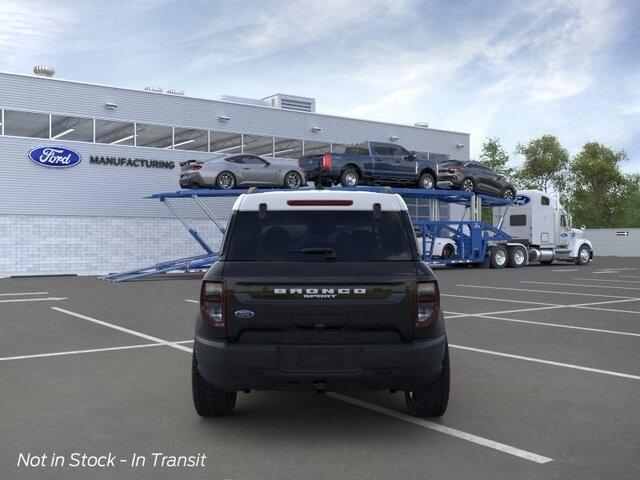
189,162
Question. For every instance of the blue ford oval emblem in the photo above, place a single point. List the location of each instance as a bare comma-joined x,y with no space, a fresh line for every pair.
55,157
244,314
521,200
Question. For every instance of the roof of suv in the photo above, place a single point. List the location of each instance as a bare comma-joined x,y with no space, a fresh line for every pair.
320,200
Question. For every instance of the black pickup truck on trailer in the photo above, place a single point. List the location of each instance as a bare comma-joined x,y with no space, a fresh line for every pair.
372,163
320,290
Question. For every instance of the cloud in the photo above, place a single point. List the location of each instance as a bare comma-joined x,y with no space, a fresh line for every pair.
29,31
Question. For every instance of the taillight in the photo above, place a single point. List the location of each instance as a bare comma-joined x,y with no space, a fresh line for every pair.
212,303
196,167
326,161
453,170
427,303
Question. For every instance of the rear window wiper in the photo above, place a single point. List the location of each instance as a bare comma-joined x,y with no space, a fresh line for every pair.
329,253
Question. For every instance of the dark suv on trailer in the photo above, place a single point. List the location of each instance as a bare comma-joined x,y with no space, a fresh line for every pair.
320,290
474,177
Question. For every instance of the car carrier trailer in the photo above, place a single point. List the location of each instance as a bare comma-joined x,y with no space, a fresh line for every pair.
464,241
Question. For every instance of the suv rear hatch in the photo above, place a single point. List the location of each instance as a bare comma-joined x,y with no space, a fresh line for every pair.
303,276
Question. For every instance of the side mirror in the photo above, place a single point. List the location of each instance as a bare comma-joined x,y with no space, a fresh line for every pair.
267,163
583,227
410,156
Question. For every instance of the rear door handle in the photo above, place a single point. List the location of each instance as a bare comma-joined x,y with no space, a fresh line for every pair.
247,168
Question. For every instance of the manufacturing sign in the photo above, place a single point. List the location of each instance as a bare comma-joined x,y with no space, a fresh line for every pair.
130,162
55,157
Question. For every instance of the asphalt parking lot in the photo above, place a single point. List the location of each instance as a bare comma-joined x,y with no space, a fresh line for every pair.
545,384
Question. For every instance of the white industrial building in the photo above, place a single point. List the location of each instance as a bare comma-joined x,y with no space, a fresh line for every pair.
92,218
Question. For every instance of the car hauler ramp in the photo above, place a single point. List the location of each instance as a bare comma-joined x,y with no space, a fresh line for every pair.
472,237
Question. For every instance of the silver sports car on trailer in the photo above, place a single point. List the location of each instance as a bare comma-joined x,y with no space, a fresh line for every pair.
242,170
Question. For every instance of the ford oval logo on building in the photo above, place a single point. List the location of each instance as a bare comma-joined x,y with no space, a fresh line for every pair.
55,157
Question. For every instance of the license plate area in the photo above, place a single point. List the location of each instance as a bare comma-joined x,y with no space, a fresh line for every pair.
316,358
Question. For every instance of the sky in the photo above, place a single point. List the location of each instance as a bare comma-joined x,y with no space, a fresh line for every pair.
514,70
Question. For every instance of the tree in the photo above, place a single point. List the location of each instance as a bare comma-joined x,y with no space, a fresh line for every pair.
545,164
600,194
494,156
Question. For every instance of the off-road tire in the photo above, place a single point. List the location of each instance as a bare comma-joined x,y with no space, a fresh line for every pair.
432,400
208,400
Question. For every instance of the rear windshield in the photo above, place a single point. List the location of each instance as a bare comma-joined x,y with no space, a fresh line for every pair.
320,236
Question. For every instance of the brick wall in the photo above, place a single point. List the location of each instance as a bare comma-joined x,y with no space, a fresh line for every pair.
44,245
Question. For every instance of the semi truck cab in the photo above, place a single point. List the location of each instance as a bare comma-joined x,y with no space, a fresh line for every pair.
538,221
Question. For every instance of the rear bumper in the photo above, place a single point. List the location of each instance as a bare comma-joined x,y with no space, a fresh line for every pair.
188,180
301,367
449,181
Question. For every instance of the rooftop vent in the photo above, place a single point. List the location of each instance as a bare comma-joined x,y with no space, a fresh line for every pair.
175,91
421,124
153,88
44,71
244,100
291,102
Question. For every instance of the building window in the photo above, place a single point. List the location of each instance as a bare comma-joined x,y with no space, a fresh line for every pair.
316,148
222,142
190,139
72,128
287,148
258,145
156,136
114,133
26,124
338,148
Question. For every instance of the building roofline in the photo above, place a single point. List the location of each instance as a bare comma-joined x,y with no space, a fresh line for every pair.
128,89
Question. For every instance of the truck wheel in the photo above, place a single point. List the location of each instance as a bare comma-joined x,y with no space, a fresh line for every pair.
517,257
426,181
432,400
349,178
498,258
208,400
584,255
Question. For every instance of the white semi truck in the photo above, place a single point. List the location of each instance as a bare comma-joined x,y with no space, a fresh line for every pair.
538,222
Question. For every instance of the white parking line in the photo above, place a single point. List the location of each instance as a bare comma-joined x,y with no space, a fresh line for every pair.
556,292
90,350
123,329
547,362
23,293
544,324
469,437
565,270
524,302
552,306
44,299
615,287
606,280
191,301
